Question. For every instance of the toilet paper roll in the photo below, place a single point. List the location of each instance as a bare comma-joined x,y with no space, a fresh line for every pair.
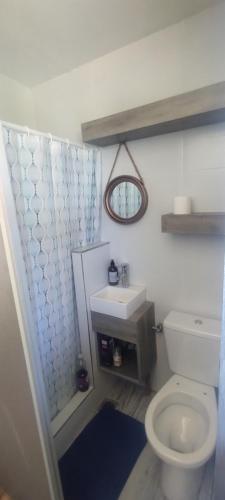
182,205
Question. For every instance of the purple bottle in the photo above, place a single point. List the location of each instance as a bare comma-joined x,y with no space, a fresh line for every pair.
82,375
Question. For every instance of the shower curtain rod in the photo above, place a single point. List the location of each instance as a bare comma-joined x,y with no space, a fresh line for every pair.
28,130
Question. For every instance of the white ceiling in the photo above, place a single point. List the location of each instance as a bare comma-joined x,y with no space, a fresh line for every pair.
41,39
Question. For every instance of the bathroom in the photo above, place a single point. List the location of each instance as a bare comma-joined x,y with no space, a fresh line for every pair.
50,94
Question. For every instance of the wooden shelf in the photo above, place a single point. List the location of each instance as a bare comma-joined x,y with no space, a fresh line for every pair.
192,109
205,223
128,370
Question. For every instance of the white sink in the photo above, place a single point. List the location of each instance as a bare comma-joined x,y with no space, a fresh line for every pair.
117,301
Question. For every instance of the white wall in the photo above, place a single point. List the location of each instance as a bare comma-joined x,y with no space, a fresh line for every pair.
184,273
182,57
16,102
181,272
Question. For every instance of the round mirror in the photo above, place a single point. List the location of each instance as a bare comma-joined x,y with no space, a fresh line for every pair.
126,199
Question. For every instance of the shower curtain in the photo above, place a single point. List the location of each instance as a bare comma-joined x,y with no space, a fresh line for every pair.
57,192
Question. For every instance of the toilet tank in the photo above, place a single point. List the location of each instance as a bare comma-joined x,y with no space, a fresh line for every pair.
193,346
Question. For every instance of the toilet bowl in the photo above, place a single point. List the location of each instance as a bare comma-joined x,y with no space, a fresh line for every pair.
181,420
181,426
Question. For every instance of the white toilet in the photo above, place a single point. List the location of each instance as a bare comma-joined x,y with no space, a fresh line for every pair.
181,420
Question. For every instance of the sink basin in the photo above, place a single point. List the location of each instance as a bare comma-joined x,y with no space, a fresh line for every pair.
117,301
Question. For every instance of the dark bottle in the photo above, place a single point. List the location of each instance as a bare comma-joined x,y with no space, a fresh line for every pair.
82,375
106,350
113,275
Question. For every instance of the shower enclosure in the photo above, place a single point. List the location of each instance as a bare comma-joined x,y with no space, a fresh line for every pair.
50,199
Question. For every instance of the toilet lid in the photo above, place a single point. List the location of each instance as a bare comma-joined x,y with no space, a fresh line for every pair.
193,324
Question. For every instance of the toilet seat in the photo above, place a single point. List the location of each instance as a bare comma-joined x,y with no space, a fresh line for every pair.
181,422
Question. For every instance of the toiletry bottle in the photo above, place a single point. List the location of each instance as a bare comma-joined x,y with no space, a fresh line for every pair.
106,349
117,356
113,275
82,375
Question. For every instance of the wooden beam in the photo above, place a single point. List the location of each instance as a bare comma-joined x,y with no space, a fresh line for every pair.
205,223
192,109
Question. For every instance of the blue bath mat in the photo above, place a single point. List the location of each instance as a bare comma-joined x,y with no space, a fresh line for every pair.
97,465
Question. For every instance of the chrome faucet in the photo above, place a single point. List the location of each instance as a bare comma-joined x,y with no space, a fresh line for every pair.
124,275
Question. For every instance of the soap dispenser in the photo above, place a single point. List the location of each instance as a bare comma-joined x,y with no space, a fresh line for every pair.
113,274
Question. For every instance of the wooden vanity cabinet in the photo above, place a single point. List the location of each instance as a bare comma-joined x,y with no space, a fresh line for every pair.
136,332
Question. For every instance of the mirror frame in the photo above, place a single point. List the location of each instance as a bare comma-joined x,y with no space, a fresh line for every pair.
108,193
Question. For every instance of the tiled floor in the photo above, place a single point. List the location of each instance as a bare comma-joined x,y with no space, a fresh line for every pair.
144,480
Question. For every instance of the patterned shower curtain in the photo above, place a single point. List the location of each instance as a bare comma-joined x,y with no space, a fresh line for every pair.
57,193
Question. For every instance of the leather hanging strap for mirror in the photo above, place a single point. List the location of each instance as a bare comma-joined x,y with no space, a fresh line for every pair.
131,159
